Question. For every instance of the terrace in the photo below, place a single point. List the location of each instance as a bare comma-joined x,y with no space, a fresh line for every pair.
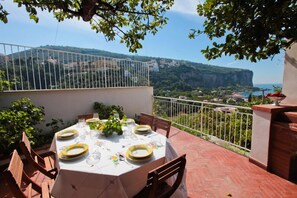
71,82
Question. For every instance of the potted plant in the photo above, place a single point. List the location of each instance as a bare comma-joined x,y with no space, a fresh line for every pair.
112,125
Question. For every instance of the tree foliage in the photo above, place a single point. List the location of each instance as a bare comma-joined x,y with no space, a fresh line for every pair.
22,116
4,84
128,19
253,30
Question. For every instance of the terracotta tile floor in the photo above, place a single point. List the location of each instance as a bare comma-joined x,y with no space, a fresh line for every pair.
213,171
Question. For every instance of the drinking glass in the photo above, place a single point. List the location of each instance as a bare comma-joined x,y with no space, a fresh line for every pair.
93,158
81,122
82,136
95,115
116,116
93,135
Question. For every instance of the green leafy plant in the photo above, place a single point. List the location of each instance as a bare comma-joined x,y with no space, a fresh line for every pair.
277,88
130,20
4,84
245,29
109,127
21,116
105,111
112,125
56,125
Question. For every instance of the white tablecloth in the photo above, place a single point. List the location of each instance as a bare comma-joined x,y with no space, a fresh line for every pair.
108,177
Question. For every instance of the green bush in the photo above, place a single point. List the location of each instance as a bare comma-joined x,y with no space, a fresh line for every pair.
105,111
21,116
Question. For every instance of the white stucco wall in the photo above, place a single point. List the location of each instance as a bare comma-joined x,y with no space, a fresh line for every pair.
67,104
290,76
260,137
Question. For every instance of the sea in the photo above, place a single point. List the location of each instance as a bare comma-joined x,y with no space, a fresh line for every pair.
267,87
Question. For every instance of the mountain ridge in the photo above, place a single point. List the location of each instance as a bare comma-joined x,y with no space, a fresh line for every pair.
175,74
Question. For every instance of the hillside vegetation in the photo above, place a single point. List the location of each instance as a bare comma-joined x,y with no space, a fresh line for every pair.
184,76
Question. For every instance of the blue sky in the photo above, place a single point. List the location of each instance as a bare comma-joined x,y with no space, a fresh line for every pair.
170,42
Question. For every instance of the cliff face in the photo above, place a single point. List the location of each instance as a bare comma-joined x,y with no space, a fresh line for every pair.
215,79
192,77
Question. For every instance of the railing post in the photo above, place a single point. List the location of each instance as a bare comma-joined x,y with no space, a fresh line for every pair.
148,74
201,118
171,109
105,77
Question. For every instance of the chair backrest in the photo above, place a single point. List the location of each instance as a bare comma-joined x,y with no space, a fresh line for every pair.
36,160
146,119
86,116
162,124
25,146
159,175
15,176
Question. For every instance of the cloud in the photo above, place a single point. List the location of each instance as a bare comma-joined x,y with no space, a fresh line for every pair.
186,6
231,63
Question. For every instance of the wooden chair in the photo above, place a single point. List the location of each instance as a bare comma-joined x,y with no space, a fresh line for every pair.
16,176
162,124
86,116
45,165
156,181
146,119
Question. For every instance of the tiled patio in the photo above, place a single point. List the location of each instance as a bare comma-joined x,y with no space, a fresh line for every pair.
213,171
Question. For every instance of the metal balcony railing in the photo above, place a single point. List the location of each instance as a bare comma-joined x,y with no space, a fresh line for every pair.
28,68
217,122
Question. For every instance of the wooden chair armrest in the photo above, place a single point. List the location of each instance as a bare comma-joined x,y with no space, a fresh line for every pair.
49,153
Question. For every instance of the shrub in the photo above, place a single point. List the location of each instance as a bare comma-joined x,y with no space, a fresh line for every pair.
105,111
21,116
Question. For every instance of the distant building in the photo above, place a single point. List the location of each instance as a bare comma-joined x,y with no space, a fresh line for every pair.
217,100
153,65
52,61
127,73
183,97
226,109
172,63
3,59
98,65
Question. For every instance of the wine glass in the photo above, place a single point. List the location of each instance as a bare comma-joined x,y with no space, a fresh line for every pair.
82,136
96,115
94,157
81,122
116,116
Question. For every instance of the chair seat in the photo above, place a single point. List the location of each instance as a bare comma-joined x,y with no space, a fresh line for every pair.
46,187
49,163
29,191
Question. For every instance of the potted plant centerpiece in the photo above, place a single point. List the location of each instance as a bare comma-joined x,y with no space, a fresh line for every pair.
109,127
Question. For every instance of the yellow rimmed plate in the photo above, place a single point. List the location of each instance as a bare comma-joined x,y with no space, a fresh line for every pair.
75,150
91,120
135,160
66,158
139,151
142,129
128,121
67,134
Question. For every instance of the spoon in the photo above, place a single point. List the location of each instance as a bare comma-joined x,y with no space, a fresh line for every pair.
123,159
